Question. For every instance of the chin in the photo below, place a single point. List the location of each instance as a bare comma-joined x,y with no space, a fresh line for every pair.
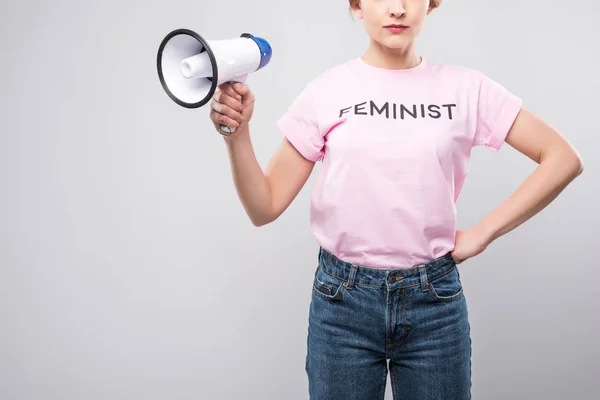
396,44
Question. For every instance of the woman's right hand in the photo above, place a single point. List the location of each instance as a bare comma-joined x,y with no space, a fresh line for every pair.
232,105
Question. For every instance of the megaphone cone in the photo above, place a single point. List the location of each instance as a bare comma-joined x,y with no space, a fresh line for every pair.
190,68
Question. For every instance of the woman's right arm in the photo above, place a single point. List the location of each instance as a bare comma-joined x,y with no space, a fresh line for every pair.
264,195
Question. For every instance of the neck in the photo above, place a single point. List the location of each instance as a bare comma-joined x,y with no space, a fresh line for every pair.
385,57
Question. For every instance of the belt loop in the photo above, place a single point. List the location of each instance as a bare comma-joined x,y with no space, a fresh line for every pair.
320,250
423,273
350,283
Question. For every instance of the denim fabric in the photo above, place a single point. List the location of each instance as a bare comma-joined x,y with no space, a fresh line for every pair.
416,318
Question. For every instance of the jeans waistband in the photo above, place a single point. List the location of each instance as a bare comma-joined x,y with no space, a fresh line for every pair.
352,273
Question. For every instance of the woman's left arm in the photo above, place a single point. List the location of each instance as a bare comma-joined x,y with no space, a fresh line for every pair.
559,164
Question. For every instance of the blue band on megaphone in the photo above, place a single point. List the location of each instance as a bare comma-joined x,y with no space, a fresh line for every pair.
265,49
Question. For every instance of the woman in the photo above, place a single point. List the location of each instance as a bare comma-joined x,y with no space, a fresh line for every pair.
394,132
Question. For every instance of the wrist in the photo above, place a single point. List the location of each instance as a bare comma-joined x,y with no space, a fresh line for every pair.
486,232
240,131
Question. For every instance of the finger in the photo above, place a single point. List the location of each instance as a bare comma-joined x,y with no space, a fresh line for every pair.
228,90
222,119
224,86
226,110
222,108
223,98
244,90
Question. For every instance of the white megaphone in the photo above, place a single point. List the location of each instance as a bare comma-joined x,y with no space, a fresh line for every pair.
190,68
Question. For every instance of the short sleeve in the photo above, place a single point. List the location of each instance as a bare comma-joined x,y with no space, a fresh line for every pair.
497,109
300,125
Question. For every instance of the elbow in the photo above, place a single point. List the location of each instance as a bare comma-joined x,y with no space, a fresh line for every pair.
580,169
570,162
578,161
261,221
258,224
264,216
565,158
573,170
577,165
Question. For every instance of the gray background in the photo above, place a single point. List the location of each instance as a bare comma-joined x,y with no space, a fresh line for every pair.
129,269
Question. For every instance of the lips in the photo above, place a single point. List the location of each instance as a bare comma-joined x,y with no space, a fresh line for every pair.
396,29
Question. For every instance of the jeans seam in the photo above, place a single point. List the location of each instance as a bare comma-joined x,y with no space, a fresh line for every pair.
394,385
382,391
404,326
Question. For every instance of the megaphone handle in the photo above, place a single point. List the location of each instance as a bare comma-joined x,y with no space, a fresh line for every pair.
240,79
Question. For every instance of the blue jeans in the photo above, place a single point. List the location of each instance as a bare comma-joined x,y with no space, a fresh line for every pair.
361,317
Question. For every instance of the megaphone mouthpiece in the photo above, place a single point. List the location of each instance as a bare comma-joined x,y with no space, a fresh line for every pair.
198,66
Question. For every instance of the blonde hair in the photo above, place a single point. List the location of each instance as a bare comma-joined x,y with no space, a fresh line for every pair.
432,3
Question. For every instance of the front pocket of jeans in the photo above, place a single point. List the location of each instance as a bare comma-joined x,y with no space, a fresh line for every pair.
322,286
447,287
328,286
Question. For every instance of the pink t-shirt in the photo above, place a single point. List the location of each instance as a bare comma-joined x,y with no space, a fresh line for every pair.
395,148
